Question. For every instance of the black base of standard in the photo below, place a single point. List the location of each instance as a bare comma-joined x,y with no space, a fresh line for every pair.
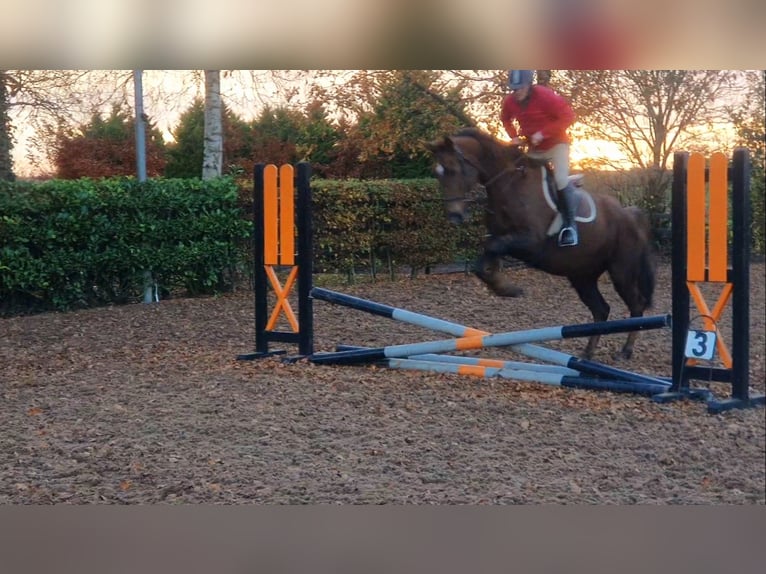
684,394
715,407
254,356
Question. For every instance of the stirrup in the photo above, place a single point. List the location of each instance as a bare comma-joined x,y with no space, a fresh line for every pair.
568,237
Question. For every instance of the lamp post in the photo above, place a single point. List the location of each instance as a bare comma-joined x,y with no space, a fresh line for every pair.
151,293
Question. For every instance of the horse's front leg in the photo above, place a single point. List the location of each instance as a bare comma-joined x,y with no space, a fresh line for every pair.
489,269
526,248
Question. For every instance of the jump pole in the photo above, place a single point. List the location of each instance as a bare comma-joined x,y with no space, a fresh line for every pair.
510,338
696,261
539,353
545,374
471,362
546,378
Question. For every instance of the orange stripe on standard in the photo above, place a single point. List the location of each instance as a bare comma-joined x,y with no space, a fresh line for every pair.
699,301
723,299
286,215
695,210
717,312
282,304
718,230
710,319
270,215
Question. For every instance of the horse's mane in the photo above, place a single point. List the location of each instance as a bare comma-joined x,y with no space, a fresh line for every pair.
478,134
496,146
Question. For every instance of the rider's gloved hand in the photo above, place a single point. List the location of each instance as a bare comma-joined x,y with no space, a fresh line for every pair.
536,138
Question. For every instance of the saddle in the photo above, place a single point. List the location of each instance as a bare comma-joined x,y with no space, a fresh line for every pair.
586,207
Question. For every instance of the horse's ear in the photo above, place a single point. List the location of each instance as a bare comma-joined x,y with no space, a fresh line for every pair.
435,145
441,144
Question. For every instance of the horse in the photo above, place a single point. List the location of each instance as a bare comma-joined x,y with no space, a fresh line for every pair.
522,222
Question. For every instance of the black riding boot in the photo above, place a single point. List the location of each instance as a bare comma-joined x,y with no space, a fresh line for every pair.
568,234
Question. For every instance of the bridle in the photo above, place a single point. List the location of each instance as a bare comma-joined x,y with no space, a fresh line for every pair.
464,161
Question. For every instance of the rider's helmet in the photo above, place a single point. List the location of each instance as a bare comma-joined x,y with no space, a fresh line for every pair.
519,78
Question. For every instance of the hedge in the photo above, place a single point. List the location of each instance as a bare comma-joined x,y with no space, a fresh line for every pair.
76,243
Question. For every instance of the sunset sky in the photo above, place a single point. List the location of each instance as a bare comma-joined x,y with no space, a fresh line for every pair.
169,92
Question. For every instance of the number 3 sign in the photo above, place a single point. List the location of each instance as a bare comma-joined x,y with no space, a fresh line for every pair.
700,344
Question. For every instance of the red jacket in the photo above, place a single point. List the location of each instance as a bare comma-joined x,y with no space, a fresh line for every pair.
544,111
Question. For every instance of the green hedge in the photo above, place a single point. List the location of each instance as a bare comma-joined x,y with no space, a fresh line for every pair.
363,225
67,244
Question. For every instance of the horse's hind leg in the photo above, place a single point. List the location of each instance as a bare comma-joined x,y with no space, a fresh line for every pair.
489,269
587,290
636,306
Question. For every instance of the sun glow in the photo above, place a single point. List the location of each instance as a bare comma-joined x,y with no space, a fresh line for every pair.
594,153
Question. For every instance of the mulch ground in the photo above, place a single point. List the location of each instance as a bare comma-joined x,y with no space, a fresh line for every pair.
147,404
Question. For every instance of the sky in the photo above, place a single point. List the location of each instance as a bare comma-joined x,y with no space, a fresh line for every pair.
392,34
167,93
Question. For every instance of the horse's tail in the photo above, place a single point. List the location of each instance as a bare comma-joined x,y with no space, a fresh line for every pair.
646,274
645,268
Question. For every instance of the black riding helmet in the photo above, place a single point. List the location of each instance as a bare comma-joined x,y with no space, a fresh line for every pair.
519,78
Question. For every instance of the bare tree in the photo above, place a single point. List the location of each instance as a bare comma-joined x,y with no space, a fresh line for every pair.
649,114
212,156
43,100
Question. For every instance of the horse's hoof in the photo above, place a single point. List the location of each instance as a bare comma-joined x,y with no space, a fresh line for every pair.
494,247
510,291
623,355
587,353
481,272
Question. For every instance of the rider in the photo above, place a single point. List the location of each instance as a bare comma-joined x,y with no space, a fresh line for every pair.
543,117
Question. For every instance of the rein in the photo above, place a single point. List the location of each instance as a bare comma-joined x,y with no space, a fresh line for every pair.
513,167
464,160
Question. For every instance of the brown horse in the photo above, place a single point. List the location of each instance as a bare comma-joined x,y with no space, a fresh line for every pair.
522,220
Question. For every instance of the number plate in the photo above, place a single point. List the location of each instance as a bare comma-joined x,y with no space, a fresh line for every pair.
700,344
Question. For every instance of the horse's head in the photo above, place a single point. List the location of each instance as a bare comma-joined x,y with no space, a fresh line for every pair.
457,174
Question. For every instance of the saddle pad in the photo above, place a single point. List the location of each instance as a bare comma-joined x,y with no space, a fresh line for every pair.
585,209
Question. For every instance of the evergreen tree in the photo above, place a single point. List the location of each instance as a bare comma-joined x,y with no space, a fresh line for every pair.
105,147
185,153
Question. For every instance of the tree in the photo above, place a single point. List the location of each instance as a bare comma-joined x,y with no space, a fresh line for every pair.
285,135
391,114
276,132
212,155
45,100
648,114
6,133
318,140
748,119
105,147
186,152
